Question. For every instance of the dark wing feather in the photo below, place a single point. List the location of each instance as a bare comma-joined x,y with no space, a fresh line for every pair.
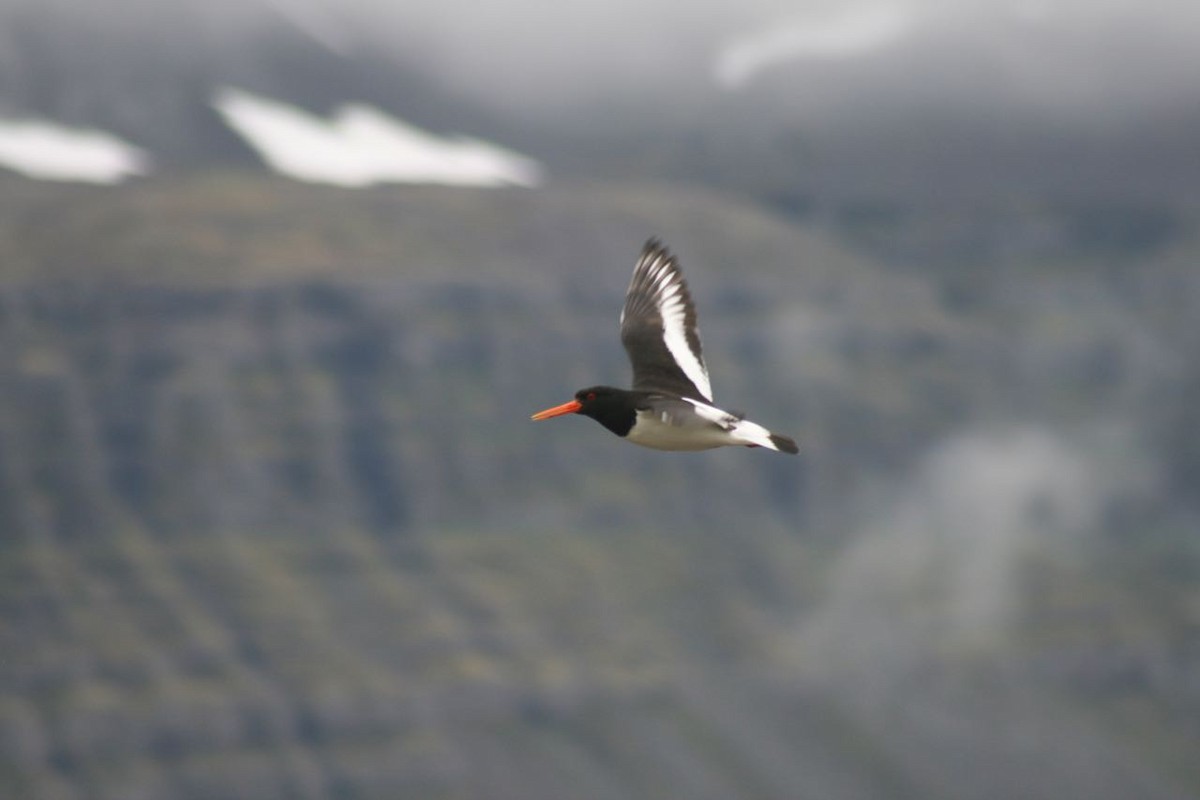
658,328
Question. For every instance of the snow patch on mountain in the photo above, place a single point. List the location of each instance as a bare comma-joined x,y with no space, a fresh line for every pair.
360,145
49,151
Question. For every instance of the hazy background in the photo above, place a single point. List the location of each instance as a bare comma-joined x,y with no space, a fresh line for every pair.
274,522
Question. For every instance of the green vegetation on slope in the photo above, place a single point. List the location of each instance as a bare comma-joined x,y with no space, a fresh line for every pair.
275,523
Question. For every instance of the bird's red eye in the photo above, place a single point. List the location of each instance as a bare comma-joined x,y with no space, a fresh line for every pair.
591,395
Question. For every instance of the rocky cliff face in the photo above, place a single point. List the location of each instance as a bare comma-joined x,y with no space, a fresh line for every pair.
275,523
249,356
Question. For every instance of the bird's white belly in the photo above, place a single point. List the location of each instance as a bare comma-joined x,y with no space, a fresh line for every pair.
650,430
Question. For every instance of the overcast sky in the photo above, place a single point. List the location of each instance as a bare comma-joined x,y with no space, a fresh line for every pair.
554,52
537,53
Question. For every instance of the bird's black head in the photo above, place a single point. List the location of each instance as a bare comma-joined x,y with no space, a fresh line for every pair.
613,408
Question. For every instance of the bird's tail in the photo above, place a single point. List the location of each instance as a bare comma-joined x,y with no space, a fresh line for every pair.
783,444
756,435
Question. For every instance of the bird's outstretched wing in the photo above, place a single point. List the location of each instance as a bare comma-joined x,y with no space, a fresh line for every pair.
658,328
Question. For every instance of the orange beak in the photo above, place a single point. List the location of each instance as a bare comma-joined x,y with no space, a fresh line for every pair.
558,411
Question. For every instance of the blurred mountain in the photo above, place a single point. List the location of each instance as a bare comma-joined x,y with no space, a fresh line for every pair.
275,522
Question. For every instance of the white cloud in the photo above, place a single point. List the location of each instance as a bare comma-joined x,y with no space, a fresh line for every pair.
848,33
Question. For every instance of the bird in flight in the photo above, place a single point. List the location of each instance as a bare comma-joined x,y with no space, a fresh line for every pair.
670,406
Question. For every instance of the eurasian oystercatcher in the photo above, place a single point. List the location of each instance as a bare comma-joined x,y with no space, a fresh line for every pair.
670,405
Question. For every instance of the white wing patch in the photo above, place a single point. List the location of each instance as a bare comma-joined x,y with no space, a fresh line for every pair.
672,310
741,430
